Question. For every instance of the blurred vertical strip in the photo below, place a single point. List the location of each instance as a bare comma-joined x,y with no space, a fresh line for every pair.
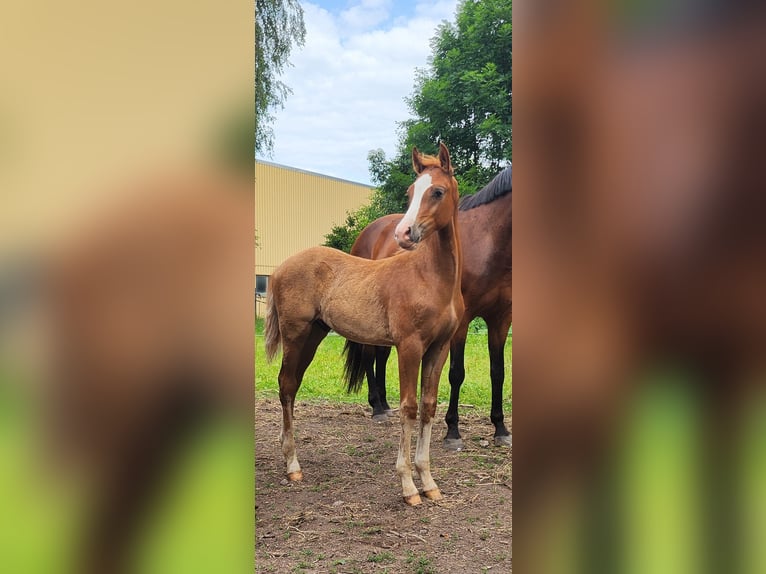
126,286
640,265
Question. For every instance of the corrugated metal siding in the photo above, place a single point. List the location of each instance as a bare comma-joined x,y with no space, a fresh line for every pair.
294,210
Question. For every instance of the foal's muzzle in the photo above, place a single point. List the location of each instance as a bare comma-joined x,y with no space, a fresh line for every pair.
408,237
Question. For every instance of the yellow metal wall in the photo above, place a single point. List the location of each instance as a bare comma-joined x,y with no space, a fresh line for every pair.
295,209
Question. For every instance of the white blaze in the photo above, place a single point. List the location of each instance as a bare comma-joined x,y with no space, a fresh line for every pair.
421,185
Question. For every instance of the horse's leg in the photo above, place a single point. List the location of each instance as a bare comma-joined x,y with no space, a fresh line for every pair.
373,386
381,359
498,334
376,384
297,355
433,362
456,376
409,365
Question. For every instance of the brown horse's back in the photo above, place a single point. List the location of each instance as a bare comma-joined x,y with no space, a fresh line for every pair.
376,241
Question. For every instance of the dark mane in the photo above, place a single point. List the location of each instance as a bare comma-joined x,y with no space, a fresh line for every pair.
498,187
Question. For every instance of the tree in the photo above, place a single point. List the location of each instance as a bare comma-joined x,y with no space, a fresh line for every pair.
343,236
463,98
279,27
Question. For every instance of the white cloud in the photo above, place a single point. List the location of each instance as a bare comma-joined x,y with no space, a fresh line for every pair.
349,84
365,15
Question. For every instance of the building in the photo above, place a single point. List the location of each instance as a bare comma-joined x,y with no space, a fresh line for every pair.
294,210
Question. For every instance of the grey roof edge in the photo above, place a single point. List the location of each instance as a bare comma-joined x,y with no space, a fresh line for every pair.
316,173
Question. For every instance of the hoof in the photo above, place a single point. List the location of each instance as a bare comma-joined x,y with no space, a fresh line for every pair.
380,418
505,440
413,500
295,476
453,443
434,494
391,412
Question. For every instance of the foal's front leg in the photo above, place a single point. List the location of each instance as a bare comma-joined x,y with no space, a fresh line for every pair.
409,365
433,362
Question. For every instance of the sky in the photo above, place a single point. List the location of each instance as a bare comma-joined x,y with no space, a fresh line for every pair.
350,79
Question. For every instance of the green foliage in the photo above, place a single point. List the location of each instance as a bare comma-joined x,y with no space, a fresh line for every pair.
278,27
343,236
462,98
391,178
477,325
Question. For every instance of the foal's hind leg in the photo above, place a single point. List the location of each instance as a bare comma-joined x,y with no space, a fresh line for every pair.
433,362
298,353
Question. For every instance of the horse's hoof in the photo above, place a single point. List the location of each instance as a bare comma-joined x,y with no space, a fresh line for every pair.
380,418
391,412
413,500
505,440
453,444
434,494
295,476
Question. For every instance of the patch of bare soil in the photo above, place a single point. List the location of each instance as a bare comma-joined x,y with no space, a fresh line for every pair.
347,515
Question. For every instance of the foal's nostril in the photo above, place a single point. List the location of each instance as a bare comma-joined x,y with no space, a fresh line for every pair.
404,235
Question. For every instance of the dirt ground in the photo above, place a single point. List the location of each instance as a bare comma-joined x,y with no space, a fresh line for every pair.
347,515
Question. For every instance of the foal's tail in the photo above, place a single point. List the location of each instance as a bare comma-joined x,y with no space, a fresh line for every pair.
273,336
358,358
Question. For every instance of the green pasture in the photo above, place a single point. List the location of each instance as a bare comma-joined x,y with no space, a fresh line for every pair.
202,523
324,378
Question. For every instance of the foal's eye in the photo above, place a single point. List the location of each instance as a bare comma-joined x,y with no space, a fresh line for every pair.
438,193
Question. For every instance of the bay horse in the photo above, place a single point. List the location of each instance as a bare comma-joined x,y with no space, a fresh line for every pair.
485,237
411,301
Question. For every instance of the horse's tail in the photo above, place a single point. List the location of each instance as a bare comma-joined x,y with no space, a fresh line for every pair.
273,336
358,359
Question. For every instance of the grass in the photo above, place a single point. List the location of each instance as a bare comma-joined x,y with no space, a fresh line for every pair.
381,557
421,563
324,378
203,522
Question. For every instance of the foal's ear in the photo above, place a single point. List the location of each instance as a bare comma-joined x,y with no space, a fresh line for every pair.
444,158
417,163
